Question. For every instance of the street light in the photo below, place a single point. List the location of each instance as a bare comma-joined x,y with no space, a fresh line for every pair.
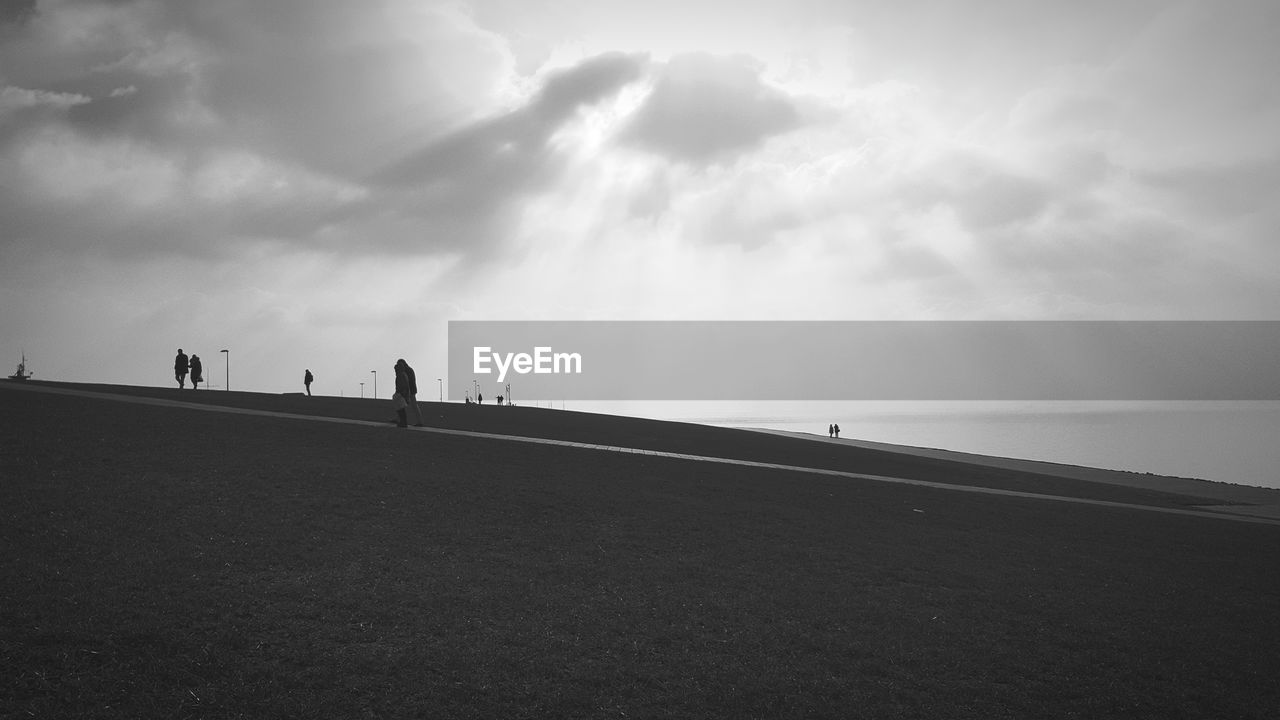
361,391
441,381
375,384
227,352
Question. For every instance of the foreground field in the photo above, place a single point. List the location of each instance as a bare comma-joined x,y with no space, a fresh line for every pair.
162,562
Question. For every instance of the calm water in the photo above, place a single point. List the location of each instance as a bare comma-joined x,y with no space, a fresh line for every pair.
1237,442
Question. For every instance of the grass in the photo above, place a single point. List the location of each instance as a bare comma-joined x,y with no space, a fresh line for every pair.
163,562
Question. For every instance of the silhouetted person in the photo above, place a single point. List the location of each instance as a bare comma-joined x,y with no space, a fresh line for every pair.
836,427
479,398
306,380
402,392
499,399
831,431
197,372
180,369
411,397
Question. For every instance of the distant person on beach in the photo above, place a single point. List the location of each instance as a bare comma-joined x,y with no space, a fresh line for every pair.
831,431
411,396
479,398
197,372
836,428
499,399
180,369
306,380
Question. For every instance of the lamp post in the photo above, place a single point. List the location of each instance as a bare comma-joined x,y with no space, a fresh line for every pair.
227,354
375,384
476,385
361,391
441,381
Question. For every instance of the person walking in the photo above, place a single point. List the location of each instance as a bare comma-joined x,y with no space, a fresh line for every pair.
836,428
180,369
411,397
197,371
831,431
306,380
399,400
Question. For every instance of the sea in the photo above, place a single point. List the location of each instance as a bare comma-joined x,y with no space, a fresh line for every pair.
1224,441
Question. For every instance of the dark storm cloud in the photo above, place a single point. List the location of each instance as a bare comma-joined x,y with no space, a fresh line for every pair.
133,70
331,88
468,180
213,192
512,147
332,85
144,107
15,12
707,108
23,108
589,82
204,130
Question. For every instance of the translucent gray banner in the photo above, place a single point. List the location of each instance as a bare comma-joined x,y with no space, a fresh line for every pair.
866,360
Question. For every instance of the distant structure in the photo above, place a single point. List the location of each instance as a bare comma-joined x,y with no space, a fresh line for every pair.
22,373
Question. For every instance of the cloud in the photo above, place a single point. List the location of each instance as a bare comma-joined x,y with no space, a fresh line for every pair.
14,99
982,193
196,130
1220,191
335,86
511,144
706,108
589,82
1191,85
199,130
405,128
466,184
16,12
124,195
343,87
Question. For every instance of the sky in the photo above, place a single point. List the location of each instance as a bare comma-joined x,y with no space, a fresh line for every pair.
325,184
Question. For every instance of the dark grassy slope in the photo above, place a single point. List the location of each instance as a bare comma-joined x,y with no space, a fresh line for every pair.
170,563
674,437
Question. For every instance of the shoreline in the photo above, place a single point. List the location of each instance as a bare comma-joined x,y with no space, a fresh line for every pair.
1241,499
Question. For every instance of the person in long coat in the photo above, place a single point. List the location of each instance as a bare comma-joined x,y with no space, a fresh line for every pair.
411,397
402,391
180,368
